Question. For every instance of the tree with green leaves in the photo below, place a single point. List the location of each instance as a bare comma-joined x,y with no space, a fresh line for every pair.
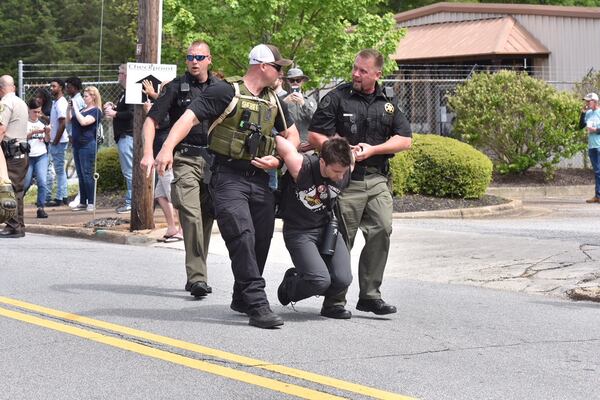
321,37
65,31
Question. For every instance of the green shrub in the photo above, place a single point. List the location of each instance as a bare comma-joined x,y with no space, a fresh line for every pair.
402,166
441,167
519,121
109,169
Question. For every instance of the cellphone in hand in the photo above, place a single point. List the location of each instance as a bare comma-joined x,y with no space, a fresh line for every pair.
296,89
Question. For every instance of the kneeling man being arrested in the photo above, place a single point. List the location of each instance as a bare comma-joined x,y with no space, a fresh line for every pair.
310,189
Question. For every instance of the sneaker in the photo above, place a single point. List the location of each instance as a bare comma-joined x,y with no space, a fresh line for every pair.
593,200
123,210
282,289
79,207
41,213
54,203
75,201
90,208
65,201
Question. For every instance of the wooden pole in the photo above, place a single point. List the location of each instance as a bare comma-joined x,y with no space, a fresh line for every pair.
142,210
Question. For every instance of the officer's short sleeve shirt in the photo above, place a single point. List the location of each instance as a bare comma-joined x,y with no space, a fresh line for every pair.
215,99
333,116
14,116
160,108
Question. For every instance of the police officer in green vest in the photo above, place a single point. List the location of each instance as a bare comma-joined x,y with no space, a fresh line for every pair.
189,194
242,112
371,121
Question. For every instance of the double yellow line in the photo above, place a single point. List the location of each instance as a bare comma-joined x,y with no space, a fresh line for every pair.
231,373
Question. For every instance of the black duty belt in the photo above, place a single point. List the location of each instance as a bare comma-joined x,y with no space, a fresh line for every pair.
14,148
360,171
190,150
252,171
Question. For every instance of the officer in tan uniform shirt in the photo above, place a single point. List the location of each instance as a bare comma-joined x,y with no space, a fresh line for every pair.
13,136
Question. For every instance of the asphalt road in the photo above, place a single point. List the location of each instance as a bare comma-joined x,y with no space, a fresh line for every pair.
465,340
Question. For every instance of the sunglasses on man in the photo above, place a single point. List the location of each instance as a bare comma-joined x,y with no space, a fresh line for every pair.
198,57
295,80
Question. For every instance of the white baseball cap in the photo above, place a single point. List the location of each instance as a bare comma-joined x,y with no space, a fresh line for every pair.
591,96
267,53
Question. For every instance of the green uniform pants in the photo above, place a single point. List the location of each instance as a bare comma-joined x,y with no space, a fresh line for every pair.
190,197
367,205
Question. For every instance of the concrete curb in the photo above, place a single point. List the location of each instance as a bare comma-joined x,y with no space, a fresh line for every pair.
118,237
537,192
464,212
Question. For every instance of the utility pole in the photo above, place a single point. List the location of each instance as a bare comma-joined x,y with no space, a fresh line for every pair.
142,210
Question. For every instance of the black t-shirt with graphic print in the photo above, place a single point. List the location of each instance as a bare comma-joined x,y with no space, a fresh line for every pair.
304,203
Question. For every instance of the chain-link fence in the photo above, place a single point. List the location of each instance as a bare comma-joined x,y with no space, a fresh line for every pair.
423,91
35,76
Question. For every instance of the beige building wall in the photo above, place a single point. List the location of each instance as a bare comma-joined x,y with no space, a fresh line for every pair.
574,42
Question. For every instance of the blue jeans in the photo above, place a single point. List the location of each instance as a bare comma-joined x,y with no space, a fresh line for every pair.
595,160
125,146
85,159
38,167
57,152
272,178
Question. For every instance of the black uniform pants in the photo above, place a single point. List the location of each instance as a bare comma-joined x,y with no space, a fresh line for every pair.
17,169
245,212
316,274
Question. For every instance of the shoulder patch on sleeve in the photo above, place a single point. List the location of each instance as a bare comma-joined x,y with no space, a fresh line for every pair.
325,102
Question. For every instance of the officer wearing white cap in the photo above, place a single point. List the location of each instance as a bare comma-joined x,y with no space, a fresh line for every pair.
301,107
590,120
242,111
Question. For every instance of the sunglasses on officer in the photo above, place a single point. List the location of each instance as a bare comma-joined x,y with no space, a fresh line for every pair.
198,57
276,66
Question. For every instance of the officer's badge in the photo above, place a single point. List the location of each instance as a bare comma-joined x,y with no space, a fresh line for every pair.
389,108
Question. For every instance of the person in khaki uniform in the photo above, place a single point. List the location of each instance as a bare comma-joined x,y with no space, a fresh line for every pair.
375,127
189,193
13,135
8,203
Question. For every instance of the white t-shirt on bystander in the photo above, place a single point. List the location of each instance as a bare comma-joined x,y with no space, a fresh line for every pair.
38,147
59,110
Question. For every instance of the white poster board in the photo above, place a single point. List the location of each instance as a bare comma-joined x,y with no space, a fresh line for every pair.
138,72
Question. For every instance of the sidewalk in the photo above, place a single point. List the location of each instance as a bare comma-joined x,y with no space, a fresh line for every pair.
62,221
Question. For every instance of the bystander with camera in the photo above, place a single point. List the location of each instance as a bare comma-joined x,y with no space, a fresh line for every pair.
38,135
301,106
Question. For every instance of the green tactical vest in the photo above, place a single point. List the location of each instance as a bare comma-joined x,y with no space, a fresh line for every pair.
226,137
